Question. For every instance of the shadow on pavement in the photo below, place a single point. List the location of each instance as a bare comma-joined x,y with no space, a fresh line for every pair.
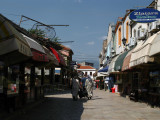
55,108
59,92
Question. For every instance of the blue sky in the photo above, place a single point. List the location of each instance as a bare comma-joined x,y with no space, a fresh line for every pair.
88,20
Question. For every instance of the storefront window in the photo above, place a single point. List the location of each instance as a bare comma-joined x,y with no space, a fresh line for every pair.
1,77
13,80
155,81
37,77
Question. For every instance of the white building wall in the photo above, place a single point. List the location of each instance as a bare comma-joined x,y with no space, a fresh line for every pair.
109,36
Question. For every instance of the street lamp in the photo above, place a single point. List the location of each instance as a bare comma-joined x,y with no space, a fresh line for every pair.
124,41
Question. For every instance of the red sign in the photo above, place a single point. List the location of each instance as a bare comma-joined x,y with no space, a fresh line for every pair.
39,57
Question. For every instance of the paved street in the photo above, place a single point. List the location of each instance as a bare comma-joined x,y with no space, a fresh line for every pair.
103,106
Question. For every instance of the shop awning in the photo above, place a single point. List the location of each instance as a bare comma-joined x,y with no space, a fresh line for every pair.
37,50
119,61
55,53
140,54
111,65
13,47
64,52
99,74
126,61
58,56
52,58
155,47
62,61
105,69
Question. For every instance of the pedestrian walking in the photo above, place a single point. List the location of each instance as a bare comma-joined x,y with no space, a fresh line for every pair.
83,80
75,88
89,87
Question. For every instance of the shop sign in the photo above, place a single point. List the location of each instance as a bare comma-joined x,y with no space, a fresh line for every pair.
39,57
145,15
24,49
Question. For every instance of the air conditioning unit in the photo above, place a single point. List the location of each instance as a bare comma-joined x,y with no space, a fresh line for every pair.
142,34
154,26
132,41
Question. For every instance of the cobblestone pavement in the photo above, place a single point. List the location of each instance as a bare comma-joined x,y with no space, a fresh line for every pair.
103,106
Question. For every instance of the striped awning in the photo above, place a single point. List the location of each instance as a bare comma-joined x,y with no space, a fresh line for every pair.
13,47
126,61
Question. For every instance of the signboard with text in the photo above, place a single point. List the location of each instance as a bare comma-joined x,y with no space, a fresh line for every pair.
145,15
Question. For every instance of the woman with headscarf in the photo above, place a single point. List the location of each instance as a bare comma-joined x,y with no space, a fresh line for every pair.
89,87
75,88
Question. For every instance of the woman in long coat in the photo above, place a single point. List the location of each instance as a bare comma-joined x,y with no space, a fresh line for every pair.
89,87
75,88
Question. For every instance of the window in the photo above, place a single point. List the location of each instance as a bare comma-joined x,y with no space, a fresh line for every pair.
134,33
86,73
13,79
127,32
90,73
119,36
139,31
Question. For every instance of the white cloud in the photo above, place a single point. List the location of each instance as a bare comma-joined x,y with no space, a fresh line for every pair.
91,43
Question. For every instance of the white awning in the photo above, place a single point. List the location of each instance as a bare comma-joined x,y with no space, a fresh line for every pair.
140,54
112,64
33,44
155,47
13,47
102,74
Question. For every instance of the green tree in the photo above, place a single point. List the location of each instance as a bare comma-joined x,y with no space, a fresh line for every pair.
37,32
42,34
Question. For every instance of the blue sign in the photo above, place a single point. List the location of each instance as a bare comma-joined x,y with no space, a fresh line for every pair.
145,15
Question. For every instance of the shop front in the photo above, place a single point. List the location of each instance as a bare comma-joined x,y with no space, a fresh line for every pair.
102,74
13,47
120,76
62,64
112,74
34,71
154,73
141,63
127,74
14,50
